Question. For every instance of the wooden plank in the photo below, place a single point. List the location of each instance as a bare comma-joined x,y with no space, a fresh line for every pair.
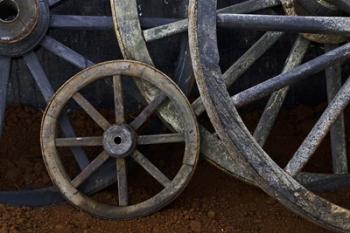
65,53
79,141
320,130
148,111
160,139
276,100
91,111
151,168
122,182
118,99
338,137
90,169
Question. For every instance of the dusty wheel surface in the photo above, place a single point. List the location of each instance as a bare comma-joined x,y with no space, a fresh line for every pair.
283,183
121,140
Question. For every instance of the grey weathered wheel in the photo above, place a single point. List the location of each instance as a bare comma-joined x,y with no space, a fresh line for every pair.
120,140
221,107
127,22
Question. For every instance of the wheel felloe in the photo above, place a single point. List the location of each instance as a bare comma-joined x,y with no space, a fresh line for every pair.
120,141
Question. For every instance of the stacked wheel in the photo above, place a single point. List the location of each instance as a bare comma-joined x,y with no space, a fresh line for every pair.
25,30
134,43
221,107
239,152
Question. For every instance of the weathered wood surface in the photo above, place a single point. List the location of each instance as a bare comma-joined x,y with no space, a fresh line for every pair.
237,139
111,151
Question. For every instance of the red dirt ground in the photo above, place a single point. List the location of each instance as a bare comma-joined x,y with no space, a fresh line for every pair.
213,201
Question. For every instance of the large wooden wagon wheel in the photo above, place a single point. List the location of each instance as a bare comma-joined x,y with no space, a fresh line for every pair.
221,107
127,22
121,140
24,27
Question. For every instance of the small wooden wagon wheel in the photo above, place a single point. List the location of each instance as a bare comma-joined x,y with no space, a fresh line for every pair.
221,107
25,27
120,140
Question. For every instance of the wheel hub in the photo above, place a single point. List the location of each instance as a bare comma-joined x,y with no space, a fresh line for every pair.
22,25
119,141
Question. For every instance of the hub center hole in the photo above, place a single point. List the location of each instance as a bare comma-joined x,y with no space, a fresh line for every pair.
118,140
8,10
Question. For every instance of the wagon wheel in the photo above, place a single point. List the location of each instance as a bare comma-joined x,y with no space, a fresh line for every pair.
221,107
126,21
19,41
121,140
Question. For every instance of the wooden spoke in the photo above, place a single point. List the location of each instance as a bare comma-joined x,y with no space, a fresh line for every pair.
80,141
300,24
258,49
311,177
243,63
5,67
338,137
46,90
122,182
90,169
81,22
100,22
151,168
318,182
54,2
160,139
331,184
65,53
118,100
150,22
303,71
249,6
182,25
39,75
272,109
320,130
91,111
166,30
68,131
148,111
184,73
342,4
